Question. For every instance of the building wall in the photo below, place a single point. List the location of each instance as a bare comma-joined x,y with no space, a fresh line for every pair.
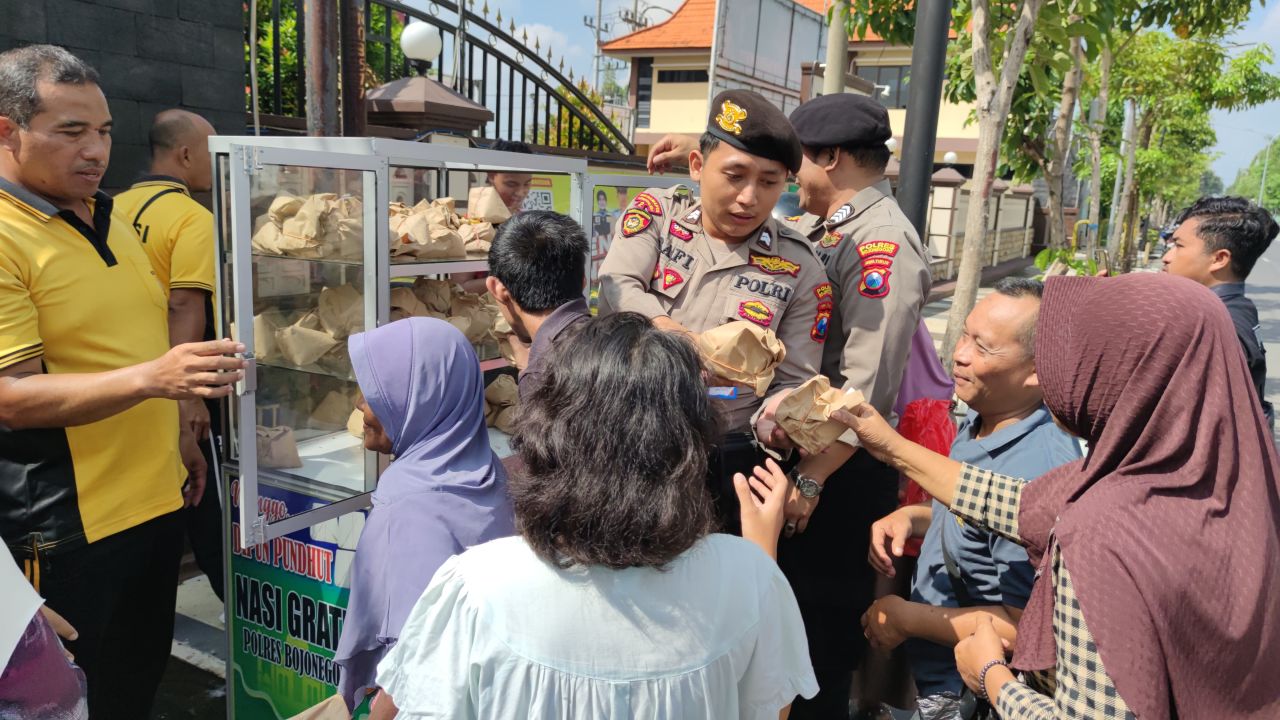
953,120
151,54
678,107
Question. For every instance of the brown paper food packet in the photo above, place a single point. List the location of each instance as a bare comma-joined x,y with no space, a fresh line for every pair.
266,239
502,392
405,304
485,204
265,325
476,237
341,311
476,309
333,412
806,413
302,346
355,423
283,208
743,353
334,708
302,231
277,448
505,419
437,295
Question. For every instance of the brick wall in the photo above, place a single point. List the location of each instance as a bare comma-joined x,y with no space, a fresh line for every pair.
151,54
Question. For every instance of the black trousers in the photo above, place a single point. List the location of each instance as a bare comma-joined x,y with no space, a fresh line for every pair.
834,584
736,453
203,525
119,594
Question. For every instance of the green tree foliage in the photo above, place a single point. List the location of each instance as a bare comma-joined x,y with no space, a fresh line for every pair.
1249,181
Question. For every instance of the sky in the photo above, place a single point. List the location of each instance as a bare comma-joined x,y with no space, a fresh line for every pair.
1240,134
558,24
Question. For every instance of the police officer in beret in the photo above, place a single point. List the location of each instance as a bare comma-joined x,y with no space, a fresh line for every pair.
879,274
695,263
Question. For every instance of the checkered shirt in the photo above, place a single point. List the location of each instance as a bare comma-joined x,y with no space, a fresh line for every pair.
1079,687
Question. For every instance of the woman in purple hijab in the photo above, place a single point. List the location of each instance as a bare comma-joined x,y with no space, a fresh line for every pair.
444,492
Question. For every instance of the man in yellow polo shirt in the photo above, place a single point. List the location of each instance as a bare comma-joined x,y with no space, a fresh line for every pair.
177,234
91,473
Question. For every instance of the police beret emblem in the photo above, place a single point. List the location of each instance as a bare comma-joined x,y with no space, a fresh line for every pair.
731,117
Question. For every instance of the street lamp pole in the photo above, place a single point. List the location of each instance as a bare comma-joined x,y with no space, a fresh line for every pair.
920,136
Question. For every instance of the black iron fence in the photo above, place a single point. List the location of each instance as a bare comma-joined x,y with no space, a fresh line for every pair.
531,97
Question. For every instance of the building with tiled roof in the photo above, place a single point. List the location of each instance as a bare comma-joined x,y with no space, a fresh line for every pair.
670,73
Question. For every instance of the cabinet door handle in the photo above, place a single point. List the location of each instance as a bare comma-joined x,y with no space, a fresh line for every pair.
249,383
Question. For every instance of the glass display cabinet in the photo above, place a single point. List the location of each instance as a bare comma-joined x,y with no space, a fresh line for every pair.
321,238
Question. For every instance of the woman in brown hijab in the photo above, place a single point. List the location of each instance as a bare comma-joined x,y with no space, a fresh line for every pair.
1158,589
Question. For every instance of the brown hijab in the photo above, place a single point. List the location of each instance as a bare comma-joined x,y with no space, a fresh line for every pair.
1169,527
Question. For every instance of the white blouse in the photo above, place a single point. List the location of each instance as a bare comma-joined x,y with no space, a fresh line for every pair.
501,634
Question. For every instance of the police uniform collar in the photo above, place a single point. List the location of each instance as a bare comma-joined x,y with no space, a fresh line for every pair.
42,208
865,198
690,218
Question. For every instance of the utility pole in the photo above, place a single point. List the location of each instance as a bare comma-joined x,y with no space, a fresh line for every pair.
320,20
920,136
837,50
598,24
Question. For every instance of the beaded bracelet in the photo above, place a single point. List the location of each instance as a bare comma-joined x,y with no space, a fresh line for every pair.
982,677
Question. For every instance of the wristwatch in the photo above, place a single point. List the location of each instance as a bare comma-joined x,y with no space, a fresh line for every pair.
807,486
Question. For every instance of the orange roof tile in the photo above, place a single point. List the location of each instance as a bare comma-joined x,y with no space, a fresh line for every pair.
689,27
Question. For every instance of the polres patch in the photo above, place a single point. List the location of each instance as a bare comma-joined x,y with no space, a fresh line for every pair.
755,311
648,203
877,266
821,322
774,265
635,221
823,291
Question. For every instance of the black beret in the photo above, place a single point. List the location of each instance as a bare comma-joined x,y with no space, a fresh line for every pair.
747,121
841,119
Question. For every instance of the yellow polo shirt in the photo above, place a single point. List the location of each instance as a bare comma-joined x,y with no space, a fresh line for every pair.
176,231
83,300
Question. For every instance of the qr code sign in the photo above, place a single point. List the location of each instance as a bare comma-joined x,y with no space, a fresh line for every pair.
538,200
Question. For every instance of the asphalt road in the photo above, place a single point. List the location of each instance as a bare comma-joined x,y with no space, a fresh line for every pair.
1263,287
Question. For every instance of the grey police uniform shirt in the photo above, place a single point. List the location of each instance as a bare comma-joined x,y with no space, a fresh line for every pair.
995,571
879,274
660,263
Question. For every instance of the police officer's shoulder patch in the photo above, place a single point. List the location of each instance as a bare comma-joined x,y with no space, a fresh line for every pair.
635,221
831,239
755,311
877,263
648,203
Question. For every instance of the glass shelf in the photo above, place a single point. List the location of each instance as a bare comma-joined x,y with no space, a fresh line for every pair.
326,261
437,267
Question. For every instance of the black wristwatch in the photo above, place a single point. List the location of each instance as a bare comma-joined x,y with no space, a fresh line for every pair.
807,486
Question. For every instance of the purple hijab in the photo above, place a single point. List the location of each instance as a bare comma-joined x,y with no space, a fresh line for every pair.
445,491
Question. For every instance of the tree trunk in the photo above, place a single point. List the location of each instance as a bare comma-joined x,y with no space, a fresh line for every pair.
993,102
1060,145
1096,124
1129,213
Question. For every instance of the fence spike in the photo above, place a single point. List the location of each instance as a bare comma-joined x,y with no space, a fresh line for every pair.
524,37
537,45
485,9
499,19
512,30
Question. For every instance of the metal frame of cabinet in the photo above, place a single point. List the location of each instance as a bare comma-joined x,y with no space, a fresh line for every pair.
237,162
